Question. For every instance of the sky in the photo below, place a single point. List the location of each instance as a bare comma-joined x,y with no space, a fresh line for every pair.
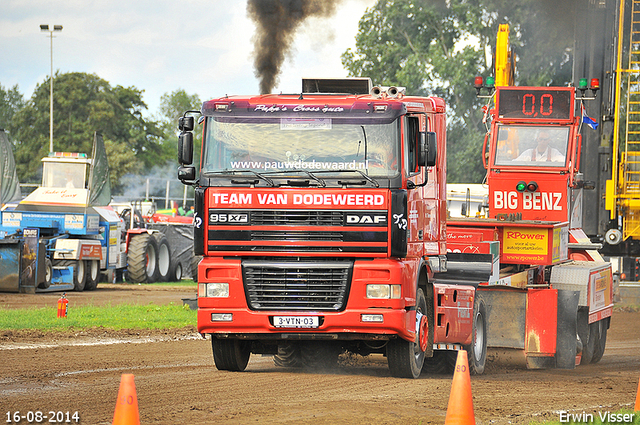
201,46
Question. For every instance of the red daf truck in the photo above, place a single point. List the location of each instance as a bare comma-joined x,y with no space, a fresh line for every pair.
549,298
321,219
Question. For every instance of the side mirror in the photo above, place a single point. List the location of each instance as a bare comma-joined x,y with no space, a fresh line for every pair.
432,149
422,149
186,173
185,148
186,123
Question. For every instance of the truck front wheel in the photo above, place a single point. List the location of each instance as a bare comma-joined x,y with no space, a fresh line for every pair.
231,354
405,358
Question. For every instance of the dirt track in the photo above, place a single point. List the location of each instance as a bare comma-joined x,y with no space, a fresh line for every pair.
177,383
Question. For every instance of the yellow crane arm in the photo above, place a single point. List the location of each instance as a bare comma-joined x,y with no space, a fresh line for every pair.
504,65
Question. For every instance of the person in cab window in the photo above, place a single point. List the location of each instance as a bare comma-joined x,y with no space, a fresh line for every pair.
542,152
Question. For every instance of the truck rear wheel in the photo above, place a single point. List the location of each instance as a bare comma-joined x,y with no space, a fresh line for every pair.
405,358
93,275
142,259
231,354
164,257
477,350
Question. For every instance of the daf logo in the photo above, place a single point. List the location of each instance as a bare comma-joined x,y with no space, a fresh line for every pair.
366,219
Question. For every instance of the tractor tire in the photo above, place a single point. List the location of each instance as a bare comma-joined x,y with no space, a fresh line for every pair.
164,257
442,363
142,259
319,355
288,355
93,275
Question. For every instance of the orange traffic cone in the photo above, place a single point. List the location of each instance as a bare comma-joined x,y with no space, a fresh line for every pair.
127,404
637,406
460,408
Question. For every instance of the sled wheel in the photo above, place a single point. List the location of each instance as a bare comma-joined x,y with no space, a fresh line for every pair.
93,275
477,350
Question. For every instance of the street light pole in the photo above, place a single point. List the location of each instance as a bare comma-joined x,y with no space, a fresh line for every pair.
50,31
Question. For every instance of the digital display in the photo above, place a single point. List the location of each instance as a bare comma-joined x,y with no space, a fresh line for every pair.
535,104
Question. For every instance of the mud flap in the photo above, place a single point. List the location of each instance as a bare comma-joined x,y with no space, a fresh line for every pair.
567,341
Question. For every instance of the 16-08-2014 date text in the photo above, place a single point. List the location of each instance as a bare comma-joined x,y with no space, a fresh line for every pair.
56,417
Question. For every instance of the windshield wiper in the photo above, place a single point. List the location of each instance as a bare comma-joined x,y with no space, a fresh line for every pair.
308,173
369,179
234,172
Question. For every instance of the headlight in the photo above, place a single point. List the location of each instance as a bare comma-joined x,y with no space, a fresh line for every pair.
383,291
213,290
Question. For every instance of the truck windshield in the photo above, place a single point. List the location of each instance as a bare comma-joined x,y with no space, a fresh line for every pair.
273,145
533,146
64,174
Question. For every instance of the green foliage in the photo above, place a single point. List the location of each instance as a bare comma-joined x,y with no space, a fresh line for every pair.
11,101
437,47
83,104
122,316
172,106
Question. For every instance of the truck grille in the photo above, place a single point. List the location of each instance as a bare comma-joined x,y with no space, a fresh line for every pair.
296,217
299,286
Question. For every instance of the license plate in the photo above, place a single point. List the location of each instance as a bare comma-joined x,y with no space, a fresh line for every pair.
296,321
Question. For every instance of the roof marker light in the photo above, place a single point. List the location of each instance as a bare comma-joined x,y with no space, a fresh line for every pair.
491,82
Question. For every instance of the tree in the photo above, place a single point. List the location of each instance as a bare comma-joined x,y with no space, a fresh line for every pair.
172,106
11,101
85,103
439,46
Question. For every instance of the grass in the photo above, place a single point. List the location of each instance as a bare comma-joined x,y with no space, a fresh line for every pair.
122,316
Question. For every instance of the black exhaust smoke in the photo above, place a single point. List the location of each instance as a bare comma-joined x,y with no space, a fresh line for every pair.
277,21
